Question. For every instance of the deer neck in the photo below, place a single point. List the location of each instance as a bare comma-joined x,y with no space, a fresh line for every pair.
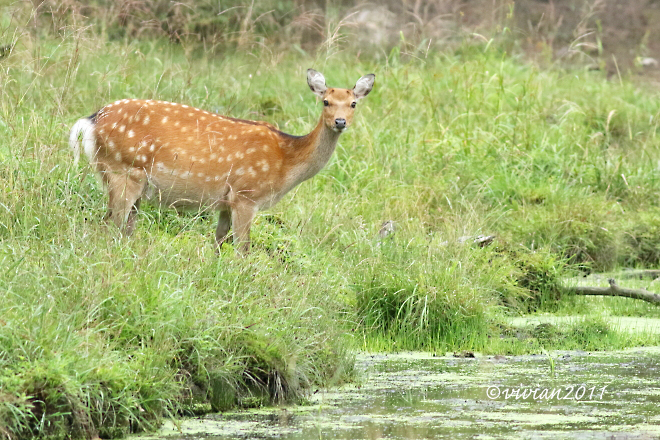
311,153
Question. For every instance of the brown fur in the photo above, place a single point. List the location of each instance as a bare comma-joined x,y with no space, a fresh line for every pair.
194,158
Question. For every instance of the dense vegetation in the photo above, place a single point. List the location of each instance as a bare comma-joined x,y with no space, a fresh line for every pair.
105,335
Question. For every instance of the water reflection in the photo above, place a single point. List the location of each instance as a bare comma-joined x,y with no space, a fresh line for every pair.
575,395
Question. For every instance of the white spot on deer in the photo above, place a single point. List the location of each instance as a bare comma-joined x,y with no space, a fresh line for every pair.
202,161
130,119
232,137
202,118
184,129
265,147
160,166
229,158
111,144
213,156
221,159
250,150
131,150
121,110
239,155
217,178
114,125
190,114
101,131
131,133
266,167
164,120
118,156
251,172
190,138
240,171
122,128
146,120
208,178
184,106
167,109
177,123
200,174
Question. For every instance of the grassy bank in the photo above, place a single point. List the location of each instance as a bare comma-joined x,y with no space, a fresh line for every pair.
104,335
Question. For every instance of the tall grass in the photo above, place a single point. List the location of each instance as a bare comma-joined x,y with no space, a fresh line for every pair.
102,335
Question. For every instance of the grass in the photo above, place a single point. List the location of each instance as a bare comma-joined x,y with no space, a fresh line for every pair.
587,334
101,335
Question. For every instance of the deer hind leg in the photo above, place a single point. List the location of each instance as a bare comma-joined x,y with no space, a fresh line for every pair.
124,193
242,214
222,231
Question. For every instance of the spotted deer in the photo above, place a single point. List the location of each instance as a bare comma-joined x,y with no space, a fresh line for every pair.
181,156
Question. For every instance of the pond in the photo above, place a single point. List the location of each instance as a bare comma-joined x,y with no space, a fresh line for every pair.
565,395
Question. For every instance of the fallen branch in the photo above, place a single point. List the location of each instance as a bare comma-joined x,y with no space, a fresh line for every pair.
615,290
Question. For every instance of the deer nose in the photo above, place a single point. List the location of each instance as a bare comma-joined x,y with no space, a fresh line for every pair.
340,123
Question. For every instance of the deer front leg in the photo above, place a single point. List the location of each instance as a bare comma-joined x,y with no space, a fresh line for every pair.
242,214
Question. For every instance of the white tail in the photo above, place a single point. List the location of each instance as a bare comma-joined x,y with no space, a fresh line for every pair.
194,158
82,132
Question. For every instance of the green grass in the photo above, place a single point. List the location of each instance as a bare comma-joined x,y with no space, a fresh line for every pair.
105,335
586,333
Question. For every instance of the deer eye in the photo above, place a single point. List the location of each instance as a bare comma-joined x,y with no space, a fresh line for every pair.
353,104
325,102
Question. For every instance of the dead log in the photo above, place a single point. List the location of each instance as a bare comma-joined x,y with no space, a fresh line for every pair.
615,290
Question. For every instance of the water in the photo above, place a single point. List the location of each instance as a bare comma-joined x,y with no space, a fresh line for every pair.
614,395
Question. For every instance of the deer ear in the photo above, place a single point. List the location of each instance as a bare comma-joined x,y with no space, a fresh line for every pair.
316,82
364,85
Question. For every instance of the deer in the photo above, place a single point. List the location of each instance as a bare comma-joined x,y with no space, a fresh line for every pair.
183,157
